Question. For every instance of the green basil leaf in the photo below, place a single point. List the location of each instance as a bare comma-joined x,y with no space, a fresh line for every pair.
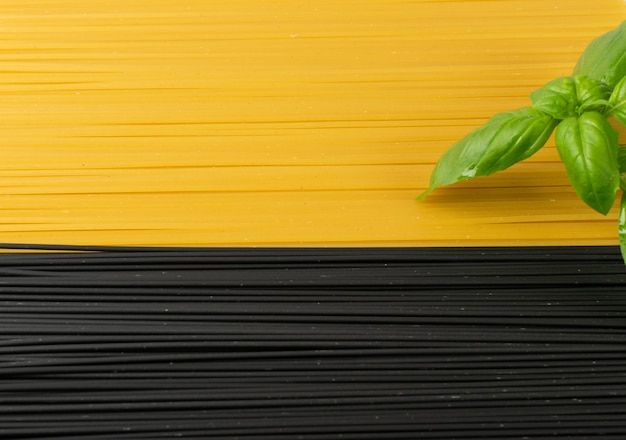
504,140
588,146
621,159
571,96
618,101
605,57
621,227
558,98
593,95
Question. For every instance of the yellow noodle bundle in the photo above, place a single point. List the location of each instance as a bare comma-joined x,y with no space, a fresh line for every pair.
256,122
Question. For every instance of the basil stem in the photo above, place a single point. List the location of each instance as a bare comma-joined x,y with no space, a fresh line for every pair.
621,227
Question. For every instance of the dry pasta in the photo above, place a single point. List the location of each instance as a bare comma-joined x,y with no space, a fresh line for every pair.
292,123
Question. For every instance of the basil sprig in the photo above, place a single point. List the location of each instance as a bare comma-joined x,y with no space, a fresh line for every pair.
578,107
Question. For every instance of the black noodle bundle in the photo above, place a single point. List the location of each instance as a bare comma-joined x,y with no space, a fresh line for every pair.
132,343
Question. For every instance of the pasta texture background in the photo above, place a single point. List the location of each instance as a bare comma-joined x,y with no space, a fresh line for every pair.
311,343
248,122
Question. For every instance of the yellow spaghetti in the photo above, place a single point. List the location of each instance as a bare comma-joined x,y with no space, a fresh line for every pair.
255,122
